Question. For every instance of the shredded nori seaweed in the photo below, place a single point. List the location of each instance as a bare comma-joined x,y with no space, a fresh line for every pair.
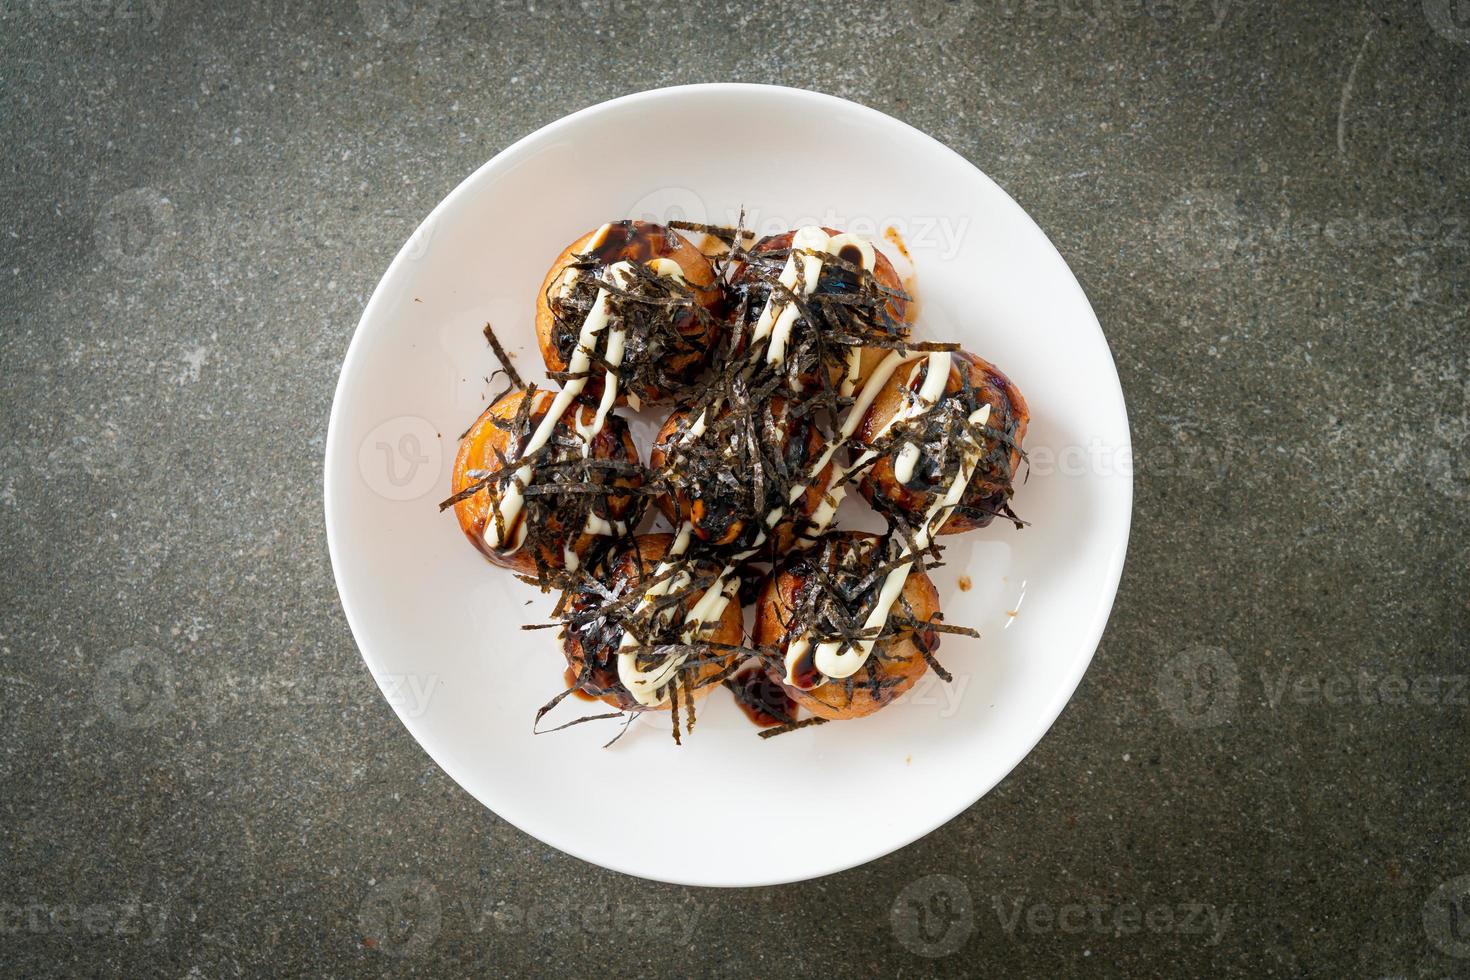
665,322
754,454
565,488
944,436
503,357
793,726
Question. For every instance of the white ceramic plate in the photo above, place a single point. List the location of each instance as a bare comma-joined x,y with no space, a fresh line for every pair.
440,628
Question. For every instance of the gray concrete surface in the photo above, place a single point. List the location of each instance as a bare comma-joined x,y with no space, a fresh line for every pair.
1264,772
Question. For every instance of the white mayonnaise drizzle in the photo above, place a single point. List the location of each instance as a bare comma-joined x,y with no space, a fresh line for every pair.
510,504
644,684
710,607
780,315
595,525
833,658
775,322
928,397
836,489
777,319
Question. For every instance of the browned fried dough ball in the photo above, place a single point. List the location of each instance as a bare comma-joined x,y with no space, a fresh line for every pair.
596,628
796,607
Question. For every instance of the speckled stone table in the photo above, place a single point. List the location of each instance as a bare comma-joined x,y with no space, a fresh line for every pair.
1264,771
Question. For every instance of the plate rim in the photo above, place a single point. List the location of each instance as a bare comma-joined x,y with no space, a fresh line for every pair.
1063,691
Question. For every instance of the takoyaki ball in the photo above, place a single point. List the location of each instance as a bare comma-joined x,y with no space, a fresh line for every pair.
725,476
665,345
798,606
973,382
596,624
881,316
552,529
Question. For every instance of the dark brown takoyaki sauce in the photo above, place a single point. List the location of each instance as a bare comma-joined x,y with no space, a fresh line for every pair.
752,579
624,240
804,672
571,679
837,281
927,640
666,344
763,700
